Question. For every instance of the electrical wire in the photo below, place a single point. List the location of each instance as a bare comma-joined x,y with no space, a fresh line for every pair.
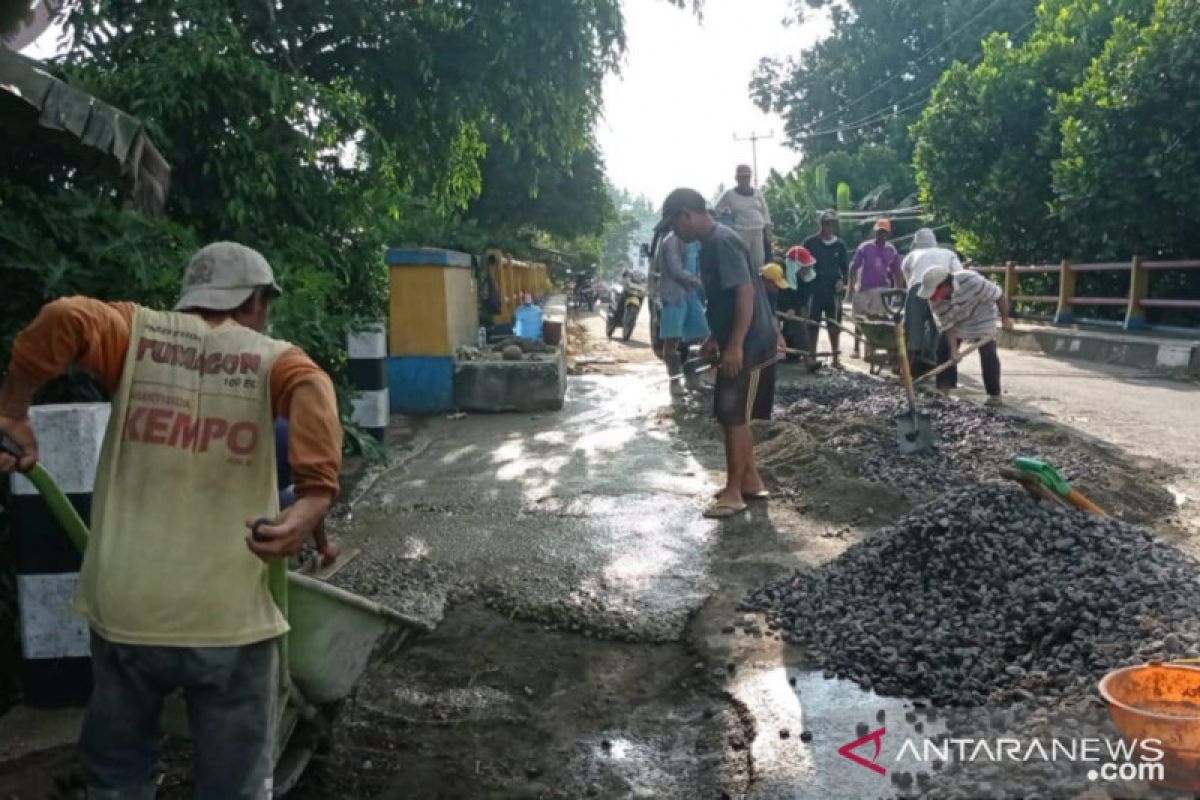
912,63
890,111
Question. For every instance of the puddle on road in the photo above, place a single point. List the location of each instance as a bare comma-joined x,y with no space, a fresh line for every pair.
790,704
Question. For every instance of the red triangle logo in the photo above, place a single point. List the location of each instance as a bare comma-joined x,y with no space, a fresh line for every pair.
847,751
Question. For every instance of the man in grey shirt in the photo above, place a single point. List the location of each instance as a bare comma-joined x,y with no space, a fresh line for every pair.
745,340
747,210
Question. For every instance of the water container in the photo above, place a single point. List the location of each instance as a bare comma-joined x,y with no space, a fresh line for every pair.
483,339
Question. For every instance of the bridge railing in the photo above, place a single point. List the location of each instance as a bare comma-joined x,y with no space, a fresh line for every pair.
1135,302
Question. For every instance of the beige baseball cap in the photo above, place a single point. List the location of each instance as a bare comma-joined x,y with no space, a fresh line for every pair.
222,275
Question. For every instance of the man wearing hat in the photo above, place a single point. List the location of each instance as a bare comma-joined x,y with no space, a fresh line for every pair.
173,585
967,306
875,267
745,342
747,210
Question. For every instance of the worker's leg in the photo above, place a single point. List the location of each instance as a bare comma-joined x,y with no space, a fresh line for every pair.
738,444
759,405
119,746
731,403
674,365
989,359
947,379
233,700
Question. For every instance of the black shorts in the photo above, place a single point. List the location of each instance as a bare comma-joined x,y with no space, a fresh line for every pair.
824,307
751,395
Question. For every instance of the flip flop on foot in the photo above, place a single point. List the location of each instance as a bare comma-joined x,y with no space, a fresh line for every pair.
723,511
761,494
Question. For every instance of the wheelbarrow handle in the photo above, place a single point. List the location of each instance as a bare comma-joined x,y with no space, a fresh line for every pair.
938,370
10,449
813,323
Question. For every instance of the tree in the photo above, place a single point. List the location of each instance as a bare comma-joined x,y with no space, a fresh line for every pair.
985,143
565,202
1125,180
872,75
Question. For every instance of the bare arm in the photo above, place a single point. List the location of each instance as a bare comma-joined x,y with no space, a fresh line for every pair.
733,356
672,265
1005,317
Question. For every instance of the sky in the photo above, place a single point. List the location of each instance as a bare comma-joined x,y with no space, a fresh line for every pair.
671,115
683,92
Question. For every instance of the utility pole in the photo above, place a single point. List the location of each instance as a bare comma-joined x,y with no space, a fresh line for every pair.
753,139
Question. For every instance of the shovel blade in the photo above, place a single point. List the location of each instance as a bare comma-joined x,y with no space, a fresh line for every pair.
914,433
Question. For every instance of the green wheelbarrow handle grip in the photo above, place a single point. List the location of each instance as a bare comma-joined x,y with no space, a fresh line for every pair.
60,507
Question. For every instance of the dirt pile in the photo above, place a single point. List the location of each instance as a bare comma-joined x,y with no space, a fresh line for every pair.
986,596
851,419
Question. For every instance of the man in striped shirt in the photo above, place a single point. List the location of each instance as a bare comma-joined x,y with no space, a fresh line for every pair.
967,306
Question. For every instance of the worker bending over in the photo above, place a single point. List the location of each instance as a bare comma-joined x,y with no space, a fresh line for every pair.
173,585
967,306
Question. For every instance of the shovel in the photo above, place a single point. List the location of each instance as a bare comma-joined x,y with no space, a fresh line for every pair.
914,431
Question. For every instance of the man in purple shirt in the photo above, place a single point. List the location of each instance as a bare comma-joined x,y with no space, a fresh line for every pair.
875,267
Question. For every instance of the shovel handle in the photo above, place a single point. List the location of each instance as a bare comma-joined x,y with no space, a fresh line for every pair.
971,348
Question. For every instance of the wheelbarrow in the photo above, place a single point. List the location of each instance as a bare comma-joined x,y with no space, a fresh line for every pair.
335,635
880,347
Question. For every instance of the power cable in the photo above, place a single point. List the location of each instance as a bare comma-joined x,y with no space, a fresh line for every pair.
912,63
890,111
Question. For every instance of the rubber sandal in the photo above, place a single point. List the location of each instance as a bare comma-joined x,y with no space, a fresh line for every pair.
765,494
723,511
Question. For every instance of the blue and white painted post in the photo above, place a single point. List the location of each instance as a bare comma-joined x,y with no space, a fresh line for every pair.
369,375
55,660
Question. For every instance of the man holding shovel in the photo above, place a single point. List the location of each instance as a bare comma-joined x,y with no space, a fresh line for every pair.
968,306
174,580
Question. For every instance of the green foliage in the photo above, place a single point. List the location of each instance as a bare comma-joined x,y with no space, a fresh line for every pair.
62,242
565,202
986,142
881,58
1125,180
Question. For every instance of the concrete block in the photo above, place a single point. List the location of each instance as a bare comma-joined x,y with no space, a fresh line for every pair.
1174,356
494,386
69,439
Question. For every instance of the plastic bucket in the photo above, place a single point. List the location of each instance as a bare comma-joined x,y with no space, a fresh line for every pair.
1160,701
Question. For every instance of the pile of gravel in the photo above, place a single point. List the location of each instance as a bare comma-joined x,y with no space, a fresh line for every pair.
855,417
984,595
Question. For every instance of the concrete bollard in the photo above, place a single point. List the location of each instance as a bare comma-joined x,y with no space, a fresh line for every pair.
369,375
55,665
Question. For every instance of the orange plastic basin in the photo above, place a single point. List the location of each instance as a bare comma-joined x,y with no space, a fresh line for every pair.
1160,701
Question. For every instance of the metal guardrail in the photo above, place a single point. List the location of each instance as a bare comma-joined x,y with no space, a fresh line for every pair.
1135,303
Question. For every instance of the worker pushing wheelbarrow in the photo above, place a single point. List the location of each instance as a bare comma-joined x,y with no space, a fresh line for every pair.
184,583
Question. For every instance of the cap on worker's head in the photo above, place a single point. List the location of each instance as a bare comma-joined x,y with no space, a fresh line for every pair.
222,275
676,203
774,274
743,170
931,280
801,256
828,216
883,225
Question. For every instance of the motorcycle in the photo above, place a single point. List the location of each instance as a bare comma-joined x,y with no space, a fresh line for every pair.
625,302
584,295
